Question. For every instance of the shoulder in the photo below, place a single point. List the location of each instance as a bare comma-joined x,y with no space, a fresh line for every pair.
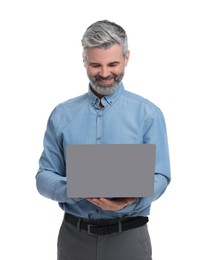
73,101
71,104
141,102
66,111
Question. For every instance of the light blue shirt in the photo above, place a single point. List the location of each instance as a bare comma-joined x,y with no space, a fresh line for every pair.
125,118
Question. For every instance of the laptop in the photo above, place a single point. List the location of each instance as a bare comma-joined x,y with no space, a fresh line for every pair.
110,170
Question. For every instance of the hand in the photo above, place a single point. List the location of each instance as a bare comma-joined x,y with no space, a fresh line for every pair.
112,204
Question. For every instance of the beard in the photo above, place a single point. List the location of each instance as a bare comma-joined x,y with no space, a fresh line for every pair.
106,90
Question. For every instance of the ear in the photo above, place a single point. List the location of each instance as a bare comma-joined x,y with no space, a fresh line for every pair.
127,57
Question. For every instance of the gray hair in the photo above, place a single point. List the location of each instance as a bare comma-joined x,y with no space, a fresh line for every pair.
104,34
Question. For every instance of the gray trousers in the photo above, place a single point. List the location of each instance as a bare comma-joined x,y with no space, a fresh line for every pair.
133,244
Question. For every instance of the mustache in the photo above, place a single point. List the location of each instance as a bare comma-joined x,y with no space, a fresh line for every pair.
104,79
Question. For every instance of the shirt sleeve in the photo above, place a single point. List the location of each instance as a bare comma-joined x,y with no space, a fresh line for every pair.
51,176
155,133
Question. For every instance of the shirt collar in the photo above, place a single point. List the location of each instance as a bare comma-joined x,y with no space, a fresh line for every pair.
110,99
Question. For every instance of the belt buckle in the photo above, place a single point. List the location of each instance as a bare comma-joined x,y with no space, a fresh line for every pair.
89,229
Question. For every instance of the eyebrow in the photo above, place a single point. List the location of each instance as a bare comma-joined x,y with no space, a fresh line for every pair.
110,63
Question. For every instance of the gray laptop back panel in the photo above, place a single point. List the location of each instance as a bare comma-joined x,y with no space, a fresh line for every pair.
110,170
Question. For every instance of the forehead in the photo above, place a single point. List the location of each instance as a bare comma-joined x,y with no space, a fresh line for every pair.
99,55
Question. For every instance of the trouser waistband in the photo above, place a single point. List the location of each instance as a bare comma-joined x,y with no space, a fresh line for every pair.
105,227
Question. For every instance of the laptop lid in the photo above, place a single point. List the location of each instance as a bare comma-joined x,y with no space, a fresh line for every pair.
110,170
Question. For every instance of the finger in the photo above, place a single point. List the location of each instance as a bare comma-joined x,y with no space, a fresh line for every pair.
107,202
131,200
95,201
128,199
92,199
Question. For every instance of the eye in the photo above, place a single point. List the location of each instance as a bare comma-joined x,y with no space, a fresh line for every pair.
113,64
95,65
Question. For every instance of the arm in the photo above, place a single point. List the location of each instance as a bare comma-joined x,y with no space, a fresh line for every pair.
156,133
51,176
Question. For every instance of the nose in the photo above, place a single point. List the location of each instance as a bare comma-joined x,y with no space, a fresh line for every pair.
104,72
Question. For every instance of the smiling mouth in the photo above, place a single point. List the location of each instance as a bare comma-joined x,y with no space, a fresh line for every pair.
105,82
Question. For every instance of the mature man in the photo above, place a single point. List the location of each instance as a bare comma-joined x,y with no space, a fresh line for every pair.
102,228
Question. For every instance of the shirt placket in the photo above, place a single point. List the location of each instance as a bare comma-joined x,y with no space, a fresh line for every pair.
99,127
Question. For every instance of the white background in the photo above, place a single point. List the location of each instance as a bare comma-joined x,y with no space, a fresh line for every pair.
41,66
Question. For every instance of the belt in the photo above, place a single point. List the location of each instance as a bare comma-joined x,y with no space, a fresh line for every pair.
105,227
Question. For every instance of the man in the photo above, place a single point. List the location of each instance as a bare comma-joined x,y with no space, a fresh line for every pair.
101,228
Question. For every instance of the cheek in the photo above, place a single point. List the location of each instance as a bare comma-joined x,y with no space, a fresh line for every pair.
92,72
118,71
